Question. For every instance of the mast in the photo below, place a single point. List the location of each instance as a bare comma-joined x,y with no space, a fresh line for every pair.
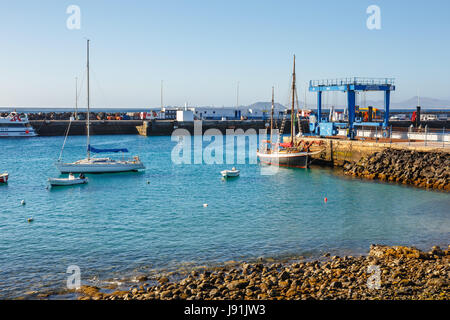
237,96
76,98
88,106
292,107
271,118
162,105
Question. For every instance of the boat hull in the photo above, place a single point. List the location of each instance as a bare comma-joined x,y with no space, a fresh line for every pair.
292,160
230,173
55,182
98,167
4,178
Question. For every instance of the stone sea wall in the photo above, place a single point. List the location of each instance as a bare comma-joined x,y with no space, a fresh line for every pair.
422,169
388,273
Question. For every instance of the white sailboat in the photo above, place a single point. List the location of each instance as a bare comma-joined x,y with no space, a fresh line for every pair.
98,165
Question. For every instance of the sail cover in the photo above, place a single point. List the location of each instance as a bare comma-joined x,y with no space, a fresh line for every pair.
95,150
286,145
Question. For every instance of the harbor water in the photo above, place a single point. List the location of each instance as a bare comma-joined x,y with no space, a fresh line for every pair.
121,225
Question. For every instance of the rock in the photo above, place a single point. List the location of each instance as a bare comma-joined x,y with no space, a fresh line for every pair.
284,275
336,285
142,278
89,290
237,284
163,280
166,294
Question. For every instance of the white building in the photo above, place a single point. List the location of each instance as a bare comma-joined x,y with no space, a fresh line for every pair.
185,115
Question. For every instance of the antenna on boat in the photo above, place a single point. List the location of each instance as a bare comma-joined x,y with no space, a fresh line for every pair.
88,104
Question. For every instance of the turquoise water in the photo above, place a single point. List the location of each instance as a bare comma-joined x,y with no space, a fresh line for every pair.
120,225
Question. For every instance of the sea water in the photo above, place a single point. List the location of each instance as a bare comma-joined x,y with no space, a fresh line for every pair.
120,225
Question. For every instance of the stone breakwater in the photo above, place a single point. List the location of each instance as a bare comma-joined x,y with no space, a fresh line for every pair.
403,273
422,169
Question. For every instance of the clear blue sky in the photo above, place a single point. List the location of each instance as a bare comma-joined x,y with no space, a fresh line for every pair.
201,49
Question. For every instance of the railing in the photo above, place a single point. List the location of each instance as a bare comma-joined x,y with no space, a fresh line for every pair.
353,80
431,137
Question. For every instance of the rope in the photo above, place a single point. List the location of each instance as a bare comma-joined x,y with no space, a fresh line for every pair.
65,139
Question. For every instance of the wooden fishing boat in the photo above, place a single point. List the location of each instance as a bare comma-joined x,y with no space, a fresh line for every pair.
283,154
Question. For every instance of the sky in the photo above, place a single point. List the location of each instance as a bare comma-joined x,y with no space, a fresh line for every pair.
203,49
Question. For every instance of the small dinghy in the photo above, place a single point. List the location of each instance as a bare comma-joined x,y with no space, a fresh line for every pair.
70,181
4,177
230,173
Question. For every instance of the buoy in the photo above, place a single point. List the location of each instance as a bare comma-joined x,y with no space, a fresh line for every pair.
325,199
22,202
30,219
205,205
148,181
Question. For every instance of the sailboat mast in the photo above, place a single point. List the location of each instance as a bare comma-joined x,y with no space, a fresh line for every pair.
293,105
162,104
237,95
76,98
271,117
88,105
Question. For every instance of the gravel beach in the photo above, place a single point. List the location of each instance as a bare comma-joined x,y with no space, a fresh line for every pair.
386,273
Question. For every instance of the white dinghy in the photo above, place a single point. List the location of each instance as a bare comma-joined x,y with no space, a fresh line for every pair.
230,173
70,181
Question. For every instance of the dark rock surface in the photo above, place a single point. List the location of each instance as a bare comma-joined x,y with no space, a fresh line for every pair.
421,169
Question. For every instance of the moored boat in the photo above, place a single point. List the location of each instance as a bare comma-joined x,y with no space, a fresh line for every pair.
283,154
230,173
70,181
16,125
97,165
4,177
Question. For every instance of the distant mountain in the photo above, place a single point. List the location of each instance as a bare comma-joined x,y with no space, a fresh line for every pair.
265,106
425,102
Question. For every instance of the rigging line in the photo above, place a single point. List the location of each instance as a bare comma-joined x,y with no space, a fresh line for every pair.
81,85
100,88
65,139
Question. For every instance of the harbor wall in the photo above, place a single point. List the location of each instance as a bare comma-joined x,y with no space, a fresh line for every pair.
145,128
418,165
337,152
155,127
78,127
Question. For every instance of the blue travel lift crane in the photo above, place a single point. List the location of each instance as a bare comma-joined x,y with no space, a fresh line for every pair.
350,85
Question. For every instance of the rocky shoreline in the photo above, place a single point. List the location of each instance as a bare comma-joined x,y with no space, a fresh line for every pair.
429,170
387,273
